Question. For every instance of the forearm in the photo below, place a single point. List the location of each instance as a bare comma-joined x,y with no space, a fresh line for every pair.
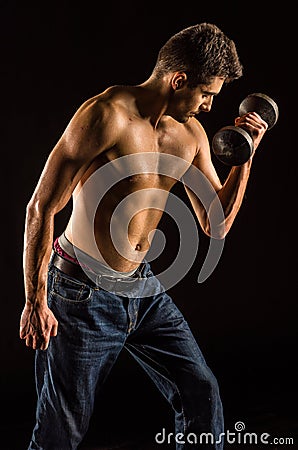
231,197
38,238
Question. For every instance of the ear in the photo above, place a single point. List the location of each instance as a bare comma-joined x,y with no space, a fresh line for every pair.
179,80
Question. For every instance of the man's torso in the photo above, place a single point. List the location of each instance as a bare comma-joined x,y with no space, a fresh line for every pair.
119,201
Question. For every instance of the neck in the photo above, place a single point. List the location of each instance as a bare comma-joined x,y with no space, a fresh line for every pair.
154,98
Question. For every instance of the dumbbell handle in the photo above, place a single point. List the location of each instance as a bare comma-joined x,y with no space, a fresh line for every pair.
233,145
261,104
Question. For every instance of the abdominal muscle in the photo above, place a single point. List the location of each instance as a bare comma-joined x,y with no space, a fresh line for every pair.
119,231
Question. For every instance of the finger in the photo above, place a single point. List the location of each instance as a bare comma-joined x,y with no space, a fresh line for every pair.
45,340
23,332
45,344
252,125
29,341
54,330
252,118
255,115
38,341
34,339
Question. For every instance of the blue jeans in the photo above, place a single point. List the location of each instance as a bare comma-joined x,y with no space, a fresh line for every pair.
94,326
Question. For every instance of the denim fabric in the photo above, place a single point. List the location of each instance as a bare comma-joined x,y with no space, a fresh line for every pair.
94,326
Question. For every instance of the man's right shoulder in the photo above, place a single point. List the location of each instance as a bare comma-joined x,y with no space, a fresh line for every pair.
100,119
115,99
108,109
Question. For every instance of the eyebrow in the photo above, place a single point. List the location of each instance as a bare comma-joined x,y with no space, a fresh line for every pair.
209,93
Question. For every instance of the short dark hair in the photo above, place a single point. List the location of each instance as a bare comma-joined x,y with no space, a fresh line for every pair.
203,52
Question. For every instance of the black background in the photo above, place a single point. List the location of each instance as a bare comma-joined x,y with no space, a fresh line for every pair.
54,56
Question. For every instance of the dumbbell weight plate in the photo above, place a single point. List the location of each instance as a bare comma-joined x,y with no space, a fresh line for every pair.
232,145
263,105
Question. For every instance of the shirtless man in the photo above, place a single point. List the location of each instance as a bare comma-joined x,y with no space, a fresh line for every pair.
74,321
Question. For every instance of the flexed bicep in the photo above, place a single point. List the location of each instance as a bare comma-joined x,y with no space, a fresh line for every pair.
201,181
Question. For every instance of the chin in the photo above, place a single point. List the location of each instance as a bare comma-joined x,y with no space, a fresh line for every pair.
182,119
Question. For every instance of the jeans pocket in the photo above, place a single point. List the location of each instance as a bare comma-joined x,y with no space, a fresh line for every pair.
70,289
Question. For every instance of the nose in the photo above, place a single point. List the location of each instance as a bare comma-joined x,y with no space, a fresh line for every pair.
206,106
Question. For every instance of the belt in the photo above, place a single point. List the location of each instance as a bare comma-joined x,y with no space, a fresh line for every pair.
105,282
129,287
70,268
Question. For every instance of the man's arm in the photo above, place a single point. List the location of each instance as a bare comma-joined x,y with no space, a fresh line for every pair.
87,135
231,193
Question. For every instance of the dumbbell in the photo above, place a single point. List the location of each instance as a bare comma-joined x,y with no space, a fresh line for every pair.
234,145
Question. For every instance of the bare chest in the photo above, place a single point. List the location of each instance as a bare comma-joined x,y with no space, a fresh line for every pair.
172,140
153,157
145,158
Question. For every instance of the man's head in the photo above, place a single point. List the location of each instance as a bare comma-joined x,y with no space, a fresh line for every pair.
203,52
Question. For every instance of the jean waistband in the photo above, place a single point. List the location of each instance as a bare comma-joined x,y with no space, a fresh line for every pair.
67,250
142,284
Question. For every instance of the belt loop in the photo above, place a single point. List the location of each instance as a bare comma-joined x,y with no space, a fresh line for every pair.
143,265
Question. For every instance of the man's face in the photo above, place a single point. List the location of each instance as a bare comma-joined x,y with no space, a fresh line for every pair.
188,102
